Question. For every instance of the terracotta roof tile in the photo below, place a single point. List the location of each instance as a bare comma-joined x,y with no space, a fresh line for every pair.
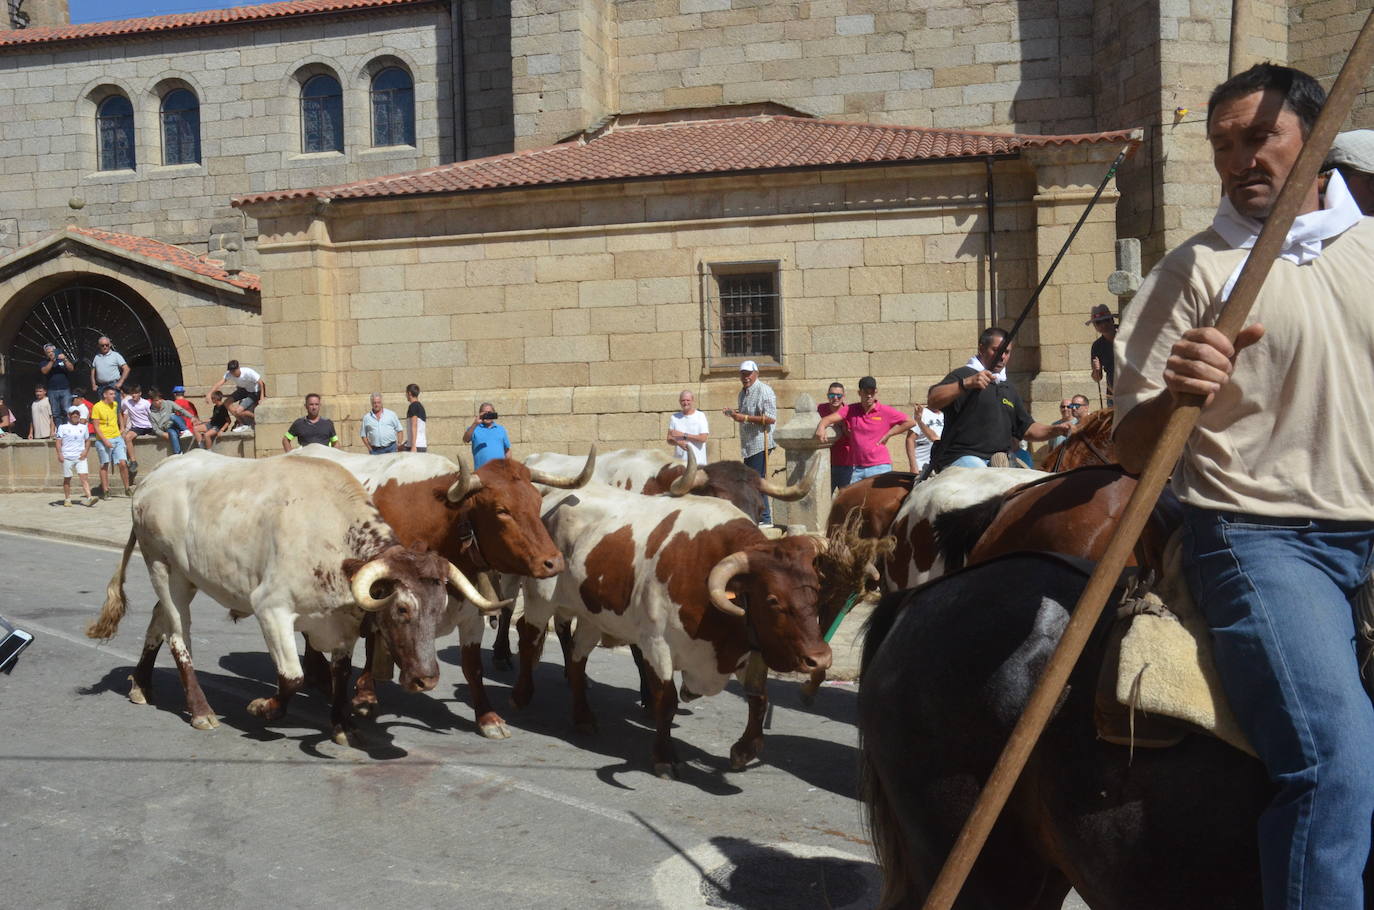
172,255
147,25
722,146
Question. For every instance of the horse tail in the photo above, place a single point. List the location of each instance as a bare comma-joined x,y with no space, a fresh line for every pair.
957,531
107,623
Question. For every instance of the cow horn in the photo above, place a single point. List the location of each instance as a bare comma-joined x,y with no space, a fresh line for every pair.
567,483
687,482
471,594
372,572
467,482
736,563
791,492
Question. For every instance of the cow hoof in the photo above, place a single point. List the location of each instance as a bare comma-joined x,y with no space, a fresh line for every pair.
205,721
348,737
743,754
365,708
666,770
497,730
520,698
136,693
808,697
501,663
586,727
265,708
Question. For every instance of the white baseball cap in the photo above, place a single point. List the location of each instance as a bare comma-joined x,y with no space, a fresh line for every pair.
74,409
1353,149
748,367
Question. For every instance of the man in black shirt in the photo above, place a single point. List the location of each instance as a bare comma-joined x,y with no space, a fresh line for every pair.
984,413
1103,361
310,428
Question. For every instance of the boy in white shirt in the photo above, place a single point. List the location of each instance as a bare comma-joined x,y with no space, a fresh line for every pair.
73,444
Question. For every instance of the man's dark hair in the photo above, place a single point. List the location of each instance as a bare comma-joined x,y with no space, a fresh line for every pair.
233,365
134,388
1302,94
153,392
413,390
868,382
313,395
991,335
1078,397
837,385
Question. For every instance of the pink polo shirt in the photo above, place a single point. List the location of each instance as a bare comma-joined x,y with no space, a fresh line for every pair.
840,452
865,431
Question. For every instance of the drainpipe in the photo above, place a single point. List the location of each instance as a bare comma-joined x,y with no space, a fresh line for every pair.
991,205
1241,15
458,60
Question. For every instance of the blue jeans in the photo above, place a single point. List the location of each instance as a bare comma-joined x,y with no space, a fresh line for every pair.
1276,593
381,450
174,431
858,472
61,399
757,463
968,461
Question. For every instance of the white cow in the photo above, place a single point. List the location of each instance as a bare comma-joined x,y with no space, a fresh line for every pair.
296,544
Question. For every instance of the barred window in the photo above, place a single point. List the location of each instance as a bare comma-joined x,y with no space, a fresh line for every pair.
393,108
180,127
747,312
321,115
115,127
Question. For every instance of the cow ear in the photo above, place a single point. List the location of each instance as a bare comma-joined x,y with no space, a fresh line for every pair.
351,567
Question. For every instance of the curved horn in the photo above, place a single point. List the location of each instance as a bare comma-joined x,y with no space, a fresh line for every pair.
736,563
567,483
871,572
471,594
467,482
372,572
687,482
791,492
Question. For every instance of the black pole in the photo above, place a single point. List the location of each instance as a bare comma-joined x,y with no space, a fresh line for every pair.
1016,326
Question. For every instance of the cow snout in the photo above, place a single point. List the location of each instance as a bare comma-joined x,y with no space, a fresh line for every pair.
817,661
553,565
425,683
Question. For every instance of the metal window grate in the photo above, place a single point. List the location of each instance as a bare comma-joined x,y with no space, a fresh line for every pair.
749,315
115,127
322,115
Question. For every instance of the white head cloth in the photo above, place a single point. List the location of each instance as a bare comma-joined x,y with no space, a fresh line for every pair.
975,364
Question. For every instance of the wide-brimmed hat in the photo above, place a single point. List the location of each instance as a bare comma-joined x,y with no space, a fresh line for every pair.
1100,313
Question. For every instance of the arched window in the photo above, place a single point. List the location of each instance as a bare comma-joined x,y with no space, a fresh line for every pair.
180,127
114,120
393,108
321,115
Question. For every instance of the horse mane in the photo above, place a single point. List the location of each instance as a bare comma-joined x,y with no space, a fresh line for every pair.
1097,426
958,530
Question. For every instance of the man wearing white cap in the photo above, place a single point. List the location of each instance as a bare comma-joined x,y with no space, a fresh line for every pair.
1353,155
756,411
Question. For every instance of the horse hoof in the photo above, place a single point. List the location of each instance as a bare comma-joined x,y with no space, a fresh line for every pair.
365,708
586,727
264,708
808,697
520,698
665,770
205,722
347,736
502,663
137,696
497,730
743,754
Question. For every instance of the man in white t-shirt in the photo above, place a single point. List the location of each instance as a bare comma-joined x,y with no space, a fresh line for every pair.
73,444
688,427
249,389
921,438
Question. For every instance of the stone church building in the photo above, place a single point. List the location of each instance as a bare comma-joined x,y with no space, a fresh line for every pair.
577,208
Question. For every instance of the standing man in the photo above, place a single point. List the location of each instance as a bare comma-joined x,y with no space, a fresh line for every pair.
310,428
841,458
415,420
40,413
109,441
1352,153
73,444
921,439
249,391
688,429
137,421
1103,360
489,439
381,430
869,424
57,369
756,410
983,412
108,368
1278,508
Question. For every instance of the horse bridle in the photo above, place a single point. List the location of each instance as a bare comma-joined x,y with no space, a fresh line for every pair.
1059,455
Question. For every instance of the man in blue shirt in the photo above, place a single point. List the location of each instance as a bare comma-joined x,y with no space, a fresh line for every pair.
381,429
488,439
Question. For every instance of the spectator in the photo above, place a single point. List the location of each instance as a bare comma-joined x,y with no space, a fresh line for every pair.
688,429
110,441
489,439
108,368
381,430
249,391
1352,153
81,398
41,424
179,398
921,439
169,419
841,458
1103,360
1081,407
984,413
219,421
756,411
57,369
136,420
415,420
312,428
73,444
869,425
1069,409
6,418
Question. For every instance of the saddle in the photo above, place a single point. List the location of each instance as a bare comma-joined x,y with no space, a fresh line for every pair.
1158,681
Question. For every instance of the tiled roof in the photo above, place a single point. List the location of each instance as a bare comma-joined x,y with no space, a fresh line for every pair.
723,146
172,255
122,27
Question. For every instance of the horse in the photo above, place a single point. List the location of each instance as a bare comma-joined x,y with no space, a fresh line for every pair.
1089,443
948,668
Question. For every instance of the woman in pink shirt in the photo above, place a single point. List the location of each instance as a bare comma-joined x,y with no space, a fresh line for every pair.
869,424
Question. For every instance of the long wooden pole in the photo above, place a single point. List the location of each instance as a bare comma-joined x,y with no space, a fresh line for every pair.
1152,480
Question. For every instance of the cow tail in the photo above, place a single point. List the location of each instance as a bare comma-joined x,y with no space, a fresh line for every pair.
107,623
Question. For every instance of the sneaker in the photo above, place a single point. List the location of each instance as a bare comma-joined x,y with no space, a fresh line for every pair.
133,465
89,501
242,428
105,494
67,503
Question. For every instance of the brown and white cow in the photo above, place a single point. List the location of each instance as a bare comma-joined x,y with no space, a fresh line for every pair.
480,520
692,582
296,544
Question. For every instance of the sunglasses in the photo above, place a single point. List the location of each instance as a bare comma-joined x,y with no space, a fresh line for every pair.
835,395
490,415
1076,406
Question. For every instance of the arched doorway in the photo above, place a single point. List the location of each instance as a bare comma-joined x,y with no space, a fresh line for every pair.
73,317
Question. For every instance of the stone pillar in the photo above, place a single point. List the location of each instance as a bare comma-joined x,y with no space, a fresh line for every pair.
804,453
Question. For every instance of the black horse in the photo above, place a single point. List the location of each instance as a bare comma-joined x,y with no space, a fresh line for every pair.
947,669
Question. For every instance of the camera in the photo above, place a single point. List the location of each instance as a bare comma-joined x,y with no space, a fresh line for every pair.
489,415
15,641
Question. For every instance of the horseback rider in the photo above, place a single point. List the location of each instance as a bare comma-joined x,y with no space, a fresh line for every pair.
983,412
1279,510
